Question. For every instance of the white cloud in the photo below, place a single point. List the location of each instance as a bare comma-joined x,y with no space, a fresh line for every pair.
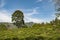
4,16
34,11
39,1
29,18
35,20
2,3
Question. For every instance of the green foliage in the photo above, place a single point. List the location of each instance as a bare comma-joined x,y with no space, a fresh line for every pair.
3,27
18,18
37,32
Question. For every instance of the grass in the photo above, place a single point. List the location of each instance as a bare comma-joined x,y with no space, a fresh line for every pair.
46,32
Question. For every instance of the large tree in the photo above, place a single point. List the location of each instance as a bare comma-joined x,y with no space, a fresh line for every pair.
57,7
18,18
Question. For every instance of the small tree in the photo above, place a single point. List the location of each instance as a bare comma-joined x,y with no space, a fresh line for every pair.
18,18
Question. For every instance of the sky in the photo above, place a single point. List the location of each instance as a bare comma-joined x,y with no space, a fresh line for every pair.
37,11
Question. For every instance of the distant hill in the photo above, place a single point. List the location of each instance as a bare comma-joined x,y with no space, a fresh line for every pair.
8,25
11,26
29,24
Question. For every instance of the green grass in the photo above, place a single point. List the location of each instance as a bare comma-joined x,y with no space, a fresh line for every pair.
46,32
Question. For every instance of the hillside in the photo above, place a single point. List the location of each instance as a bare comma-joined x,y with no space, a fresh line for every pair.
36,32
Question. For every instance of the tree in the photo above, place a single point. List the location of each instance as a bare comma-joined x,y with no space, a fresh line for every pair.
18,18
57,8
57,15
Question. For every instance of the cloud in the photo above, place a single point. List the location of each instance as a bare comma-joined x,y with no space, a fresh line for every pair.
4,16
35,20
29,18
39,1
34,11
2,3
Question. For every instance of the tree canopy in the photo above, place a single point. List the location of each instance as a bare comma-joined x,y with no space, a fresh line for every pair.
18,18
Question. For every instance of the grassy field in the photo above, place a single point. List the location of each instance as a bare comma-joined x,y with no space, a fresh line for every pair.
36,32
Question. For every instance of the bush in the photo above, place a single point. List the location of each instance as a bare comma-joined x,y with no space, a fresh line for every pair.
2,27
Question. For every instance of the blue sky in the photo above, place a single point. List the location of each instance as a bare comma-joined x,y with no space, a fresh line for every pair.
34,10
